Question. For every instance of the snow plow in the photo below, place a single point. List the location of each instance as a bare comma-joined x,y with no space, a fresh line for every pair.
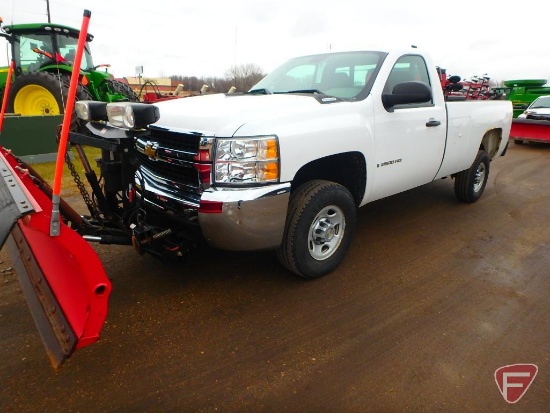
530,130
61,276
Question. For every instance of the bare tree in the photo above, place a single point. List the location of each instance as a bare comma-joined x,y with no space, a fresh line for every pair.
245,76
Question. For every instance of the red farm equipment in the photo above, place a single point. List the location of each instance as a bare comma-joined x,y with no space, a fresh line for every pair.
150,93
477,88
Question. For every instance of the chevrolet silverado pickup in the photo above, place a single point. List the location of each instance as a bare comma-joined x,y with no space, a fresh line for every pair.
285,166
282,167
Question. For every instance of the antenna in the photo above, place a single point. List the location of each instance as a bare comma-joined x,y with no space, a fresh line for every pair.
48,10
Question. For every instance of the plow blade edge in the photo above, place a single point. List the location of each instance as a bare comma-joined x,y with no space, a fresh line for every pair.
61,277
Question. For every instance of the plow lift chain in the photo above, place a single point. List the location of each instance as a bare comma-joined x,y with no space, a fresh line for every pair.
90,203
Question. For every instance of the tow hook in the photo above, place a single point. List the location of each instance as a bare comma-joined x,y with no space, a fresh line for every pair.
143,236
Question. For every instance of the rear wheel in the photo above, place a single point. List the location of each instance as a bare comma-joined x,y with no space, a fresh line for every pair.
122,89
37,93
319,228
470,183
44,93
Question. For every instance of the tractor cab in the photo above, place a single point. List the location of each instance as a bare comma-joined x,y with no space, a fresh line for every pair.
44,55
39,46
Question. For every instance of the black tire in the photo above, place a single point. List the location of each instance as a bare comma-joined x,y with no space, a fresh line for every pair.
53,104
49,99
82,93
323,210
518,142
123,89
470,183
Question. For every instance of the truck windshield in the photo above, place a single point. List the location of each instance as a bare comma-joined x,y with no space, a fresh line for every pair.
38,49
343,75
541,103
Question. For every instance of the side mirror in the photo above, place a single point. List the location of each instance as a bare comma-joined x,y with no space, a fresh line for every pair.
406,93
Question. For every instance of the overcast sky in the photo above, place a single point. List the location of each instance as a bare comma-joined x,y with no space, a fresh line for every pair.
207,37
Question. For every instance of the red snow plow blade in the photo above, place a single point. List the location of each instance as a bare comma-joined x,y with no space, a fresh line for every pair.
530,130
61,276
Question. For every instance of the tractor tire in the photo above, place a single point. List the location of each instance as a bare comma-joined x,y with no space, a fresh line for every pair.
44,93
470,183
37,93
319,228
122,89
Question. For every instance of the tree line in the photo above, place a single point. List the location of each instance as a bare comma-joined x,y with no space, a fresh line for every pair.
241,77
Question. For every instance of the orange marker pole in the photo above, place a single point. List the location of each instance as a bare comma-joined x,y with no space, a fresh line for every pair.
6,93
54,224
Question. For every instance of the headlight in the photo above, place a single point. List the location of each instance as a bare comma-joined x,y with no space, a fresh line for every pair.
90,110
247,160
130,115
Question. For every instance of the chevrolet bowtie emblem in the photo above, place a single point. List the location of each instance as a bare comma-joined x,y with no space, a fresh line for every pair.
151,149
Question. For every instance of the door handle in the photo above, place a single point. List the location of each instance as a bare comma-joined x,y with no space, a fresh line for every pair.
432,122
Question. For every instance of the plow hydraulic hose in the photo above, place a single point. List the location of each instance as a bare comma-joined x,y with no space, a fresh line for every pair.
54,225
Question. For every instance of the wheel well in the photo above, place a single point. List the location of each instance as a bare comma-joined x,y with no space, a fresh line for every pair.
347,169
491,142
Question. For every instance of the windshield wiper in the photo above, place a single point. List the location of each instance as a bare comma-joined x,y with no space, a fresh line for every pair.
316,91
262,91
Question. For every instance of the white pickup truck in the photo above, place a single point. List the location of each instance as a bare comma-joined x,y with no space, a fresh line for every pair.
286,165
282,167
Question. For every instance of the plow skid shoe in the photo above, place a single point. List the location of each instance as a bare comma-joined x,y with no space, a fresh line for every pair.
61,277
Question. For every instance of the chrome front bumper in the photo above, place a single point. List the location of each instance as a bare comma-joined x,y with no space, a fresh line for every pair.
251,219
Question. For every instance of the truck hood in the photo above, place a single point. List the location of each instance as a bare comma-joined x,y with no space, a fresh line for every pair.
222,115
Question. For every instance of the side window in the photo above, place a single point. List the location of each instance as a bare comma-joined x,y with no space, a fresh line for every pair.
408,68
29,47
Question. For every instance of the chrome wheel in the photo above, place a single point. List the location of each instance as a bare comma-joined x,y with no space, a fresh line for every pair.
479,178
326,232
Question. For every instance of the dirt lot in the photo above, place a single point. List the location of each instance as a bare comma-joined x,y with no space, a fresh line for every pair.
432,298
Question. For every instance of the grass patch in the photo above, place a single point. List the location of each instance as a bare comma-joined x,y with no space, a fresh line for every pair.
68,186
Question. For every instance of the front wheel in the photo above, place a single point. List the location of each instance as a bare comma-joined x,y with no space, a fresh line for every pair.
319,228
470,183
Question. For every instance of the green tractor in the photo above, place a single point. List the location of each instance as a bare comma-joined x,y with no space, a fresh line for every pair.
44,55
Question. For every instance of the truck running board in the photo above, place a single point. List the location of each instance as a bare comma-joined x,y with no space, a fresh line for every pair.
61,277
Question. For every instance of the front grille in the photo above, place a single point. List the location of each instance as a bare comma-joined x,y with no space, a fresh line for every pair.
170,164
172,173
184,142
